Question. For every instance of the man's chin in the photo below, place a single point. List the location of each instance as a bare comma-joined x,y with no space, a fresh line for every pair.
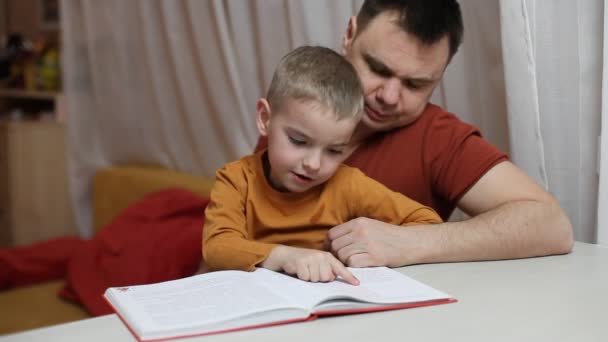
377,126
385,125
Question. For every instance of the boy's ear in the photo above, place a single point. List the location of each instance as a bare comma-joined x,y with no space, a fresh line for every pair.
349,34
263,116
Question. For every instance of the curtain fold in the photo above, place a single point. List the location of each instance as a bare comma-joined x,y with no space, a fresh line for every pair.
602,212
473,86
527,146
552,52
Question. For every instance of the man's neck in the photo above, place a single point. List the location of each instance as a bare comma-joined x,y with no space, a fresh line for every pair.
361,133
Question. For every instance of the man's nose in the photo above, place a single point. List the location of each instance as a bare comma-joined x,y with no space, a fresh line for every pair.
312,161
388,93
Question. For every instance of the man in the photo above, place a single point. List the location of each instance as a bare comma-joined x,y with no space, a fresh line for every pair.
400,50
273,209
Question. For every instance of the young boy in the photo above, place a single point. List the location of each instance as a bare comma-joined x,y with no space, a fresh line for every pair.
272,209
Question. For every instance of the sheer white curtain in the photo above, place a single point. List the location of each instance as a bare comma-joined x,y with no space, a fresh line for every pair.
174,82
552,54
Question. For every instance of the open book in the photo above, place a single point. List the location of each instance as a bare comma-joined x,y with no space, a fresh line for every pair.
233,300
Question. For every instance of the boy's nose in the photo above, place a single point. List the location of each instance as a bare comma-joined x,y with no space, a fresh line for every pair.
312,162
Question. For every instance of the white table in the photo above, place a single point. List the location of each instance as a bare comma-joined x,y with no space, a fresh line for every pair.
557,298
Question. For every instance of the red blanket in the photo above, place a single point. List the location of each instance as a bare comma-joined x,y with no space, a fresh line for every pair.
156,239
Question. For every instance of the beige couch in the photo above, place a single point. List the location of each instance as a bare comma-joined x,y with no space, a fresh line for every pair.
114,189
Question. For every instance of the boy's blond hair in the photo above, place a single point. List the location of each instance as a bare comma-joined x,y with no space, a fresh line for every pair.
319,74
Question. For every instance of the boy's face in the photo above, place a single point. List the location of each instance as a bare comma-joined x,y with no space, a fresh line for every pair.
306,143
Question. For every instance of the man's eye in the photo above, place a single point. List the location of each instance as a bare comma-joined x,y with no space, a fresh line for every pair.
295,141
379,71
412,85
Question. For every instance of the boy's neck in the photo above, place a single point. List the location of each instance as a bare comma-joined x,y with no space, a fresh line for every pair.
266,167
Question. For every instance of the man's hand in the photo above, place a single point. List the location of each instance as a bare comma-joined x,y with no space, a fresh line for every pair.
364,242
308,264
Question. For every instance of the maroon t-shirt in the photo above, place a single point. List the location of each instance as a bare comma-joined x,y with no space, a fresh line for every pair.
434,160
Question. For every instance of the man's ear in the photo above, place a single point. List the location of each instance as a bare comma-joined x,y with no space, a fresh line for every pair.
263,116
349,35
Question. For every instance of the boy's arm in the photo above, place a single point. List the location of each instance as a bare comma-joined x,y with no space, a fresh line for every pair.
227,245
308,264
226,241
371,199
372,204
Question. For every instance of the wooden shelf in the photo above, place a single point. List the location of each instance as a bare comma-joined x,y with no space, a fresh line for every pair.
28,94
34,190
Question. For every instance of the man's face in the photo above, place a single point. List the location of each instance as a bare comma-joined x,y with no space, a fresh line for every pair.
397,71
306,144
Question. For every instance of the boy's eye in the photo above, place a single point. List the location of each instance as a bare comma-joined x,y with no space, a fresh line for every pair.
335,151
295,141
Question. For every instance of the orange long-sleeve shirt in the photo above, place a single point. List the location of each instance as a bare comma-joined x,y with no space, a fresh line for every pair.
246,218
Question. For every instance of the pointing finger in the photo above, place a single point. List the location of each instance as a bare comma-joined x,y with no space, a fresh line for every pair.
344,273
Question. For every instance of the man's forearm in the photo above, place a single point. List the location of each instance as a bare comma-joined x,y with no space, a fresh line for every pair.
513,230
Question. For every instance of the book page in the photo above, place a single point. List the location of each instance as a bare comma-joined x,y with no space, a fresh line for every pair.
299,291
379,285
196,301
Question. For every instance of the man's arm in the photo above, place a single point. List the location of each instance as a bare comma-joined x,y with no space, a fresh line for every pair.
512,217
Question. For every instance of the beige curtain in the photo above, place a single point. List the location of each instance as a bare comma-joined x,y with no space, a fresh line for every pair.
174,82
473,86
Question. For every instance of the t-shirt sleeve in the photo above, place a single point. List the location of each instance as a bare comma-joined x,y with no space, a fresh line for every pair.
369,198
226,242
458,157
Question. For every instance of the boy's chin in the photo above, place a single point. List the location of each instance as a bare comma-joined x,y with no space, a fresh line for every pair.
289,188
295,188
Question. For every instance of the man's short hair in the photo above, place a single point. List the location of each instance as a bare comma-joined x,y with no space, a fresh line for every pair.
319,74
427,20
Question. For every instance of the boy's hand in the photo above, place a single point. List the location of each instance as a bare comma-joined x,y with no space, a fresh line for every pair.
308,264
